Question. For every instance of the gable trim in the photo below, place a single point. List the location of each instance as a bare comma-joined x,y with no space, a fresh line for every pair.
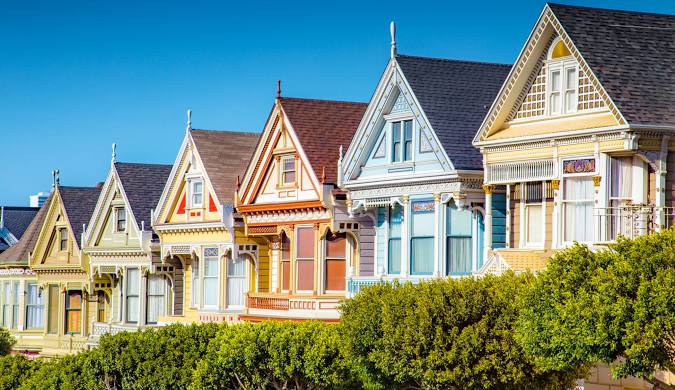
546,18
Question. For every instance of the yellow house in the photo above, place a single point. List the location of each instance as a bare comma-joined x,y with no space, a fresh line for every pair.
120,247
579,139
22,305
197,227
289,197
63,270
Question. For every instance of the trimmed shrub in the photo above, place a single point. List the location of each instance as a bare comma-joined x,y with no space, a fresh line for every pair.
67,372
15,370
279,355
6,342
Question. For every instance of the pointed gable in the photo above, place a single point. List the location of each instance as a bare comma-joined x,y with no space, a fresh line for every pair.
322,126
633,56
454,96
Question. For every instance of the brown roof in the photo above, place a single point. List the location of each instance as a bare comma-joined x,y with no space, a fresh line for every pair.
225,155
18,254
322,126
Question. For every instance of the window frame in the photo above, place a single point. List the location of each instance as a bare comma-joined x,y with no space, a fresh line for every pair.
412,237
118,211
397,128
298,259
40,305
399,238
128,295
562,66
283,171
191,193
149,294
532,204
451,207
203,278
63,239
564,202
68,310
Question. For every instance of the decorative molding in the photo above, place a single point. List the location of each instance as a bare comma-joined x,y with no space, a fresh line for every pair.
555,184
287,216
488,189
596,181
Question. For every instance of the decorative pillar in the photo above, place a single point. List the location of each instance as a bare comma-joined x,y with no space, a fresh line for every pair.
142,292
488,189
661,174
555,186
405,236
318,259
437,235
597,231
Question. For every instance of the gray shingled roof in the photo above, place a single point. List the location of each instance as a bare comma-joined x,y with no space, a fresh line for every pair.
16,219
455,96
79,203
19,253
143,185
633,56
225,155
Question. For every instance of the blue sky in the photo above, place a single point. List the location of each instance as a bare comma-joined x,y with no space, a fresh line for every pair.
78,76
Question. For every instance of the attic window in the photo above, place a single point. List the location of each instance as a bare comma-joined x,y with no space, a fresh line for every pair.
63,239
559,50
196,193
120,219
287,169
562,81
401,141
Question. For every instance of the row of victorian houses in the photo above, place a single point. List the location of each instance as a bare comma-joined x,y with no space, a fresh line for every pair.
454,168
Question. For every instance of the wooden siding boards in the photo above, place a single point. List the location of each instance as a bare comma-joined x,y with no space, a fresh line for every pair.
498,220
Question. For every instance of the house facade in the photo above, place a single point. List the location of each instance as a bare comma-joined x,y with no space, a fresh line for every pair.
289,198
201,236
22,306
63,272
579,140
412,170
123,250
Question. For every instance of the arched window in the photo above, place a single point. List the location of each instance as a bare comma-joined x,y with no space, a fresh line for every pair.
559,50
336,261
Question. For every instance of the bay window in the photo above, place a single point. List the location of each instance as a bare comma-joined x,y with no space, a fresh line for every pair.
336,253
578,209
422,238
458,240
402,140
305,242
210,281
73,312
34,307
133,295
285,262
394,250
156,303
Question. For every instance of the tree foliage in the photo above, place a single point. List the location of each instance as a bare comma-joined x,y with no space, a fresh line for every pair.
67,372
279,355
615,306
6,342
444,334
15,370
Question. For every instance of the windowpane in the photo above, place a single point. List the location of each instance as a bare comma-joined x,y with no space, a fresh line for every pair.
7,305
396,140
285,262
395,222
63,239
73,312
534,226
621,177
121,220
394,255
408,149
133,290
459,255
458,221
555,80
102,299
210,282
571,78
335,261
156,306
53,307
305,258
422,238
34,307
422,251
15,306
578,209
194,290
288,170
197,193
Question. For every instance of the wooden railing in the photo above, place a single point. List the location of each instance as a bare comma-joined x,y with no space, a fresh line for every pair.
255,301
502,173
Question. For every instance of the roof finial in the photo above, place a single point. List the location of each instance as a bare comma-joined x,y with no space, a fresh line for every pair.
55,178
278,89
114,153
392,31
189,120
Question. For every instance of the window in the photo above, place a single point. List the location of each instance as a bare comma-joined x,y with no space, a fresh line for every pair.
285,262
336,252
458,240
8,305
288,170
570,89
101,302
305,258
120,220
156,306
133,294
236,281
534,230
563,81
422,238
210,282
194,289
395,222
63,239
73,312
197,194
402,141
554,93
578,209
53,309
34,307
621,169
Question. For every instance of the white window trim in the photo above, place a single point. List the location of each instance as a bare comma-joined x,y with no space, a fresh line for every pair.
561,65
525,243
201,290
563,221
390,138
283,183
190,190
116,220
294,258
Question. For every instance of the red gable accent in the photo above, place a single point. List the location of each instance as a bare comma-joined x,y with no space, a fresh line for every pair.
212,204
181,206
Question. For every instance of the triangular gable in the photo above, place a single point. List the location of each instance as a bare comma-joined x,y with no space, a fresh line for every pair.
112,196
47,249
521,91
173,205
262,181
370,145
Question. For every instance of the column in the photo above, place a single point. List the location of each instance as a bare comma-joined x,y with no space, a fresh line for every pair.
142,298
597,236
405,236
488,189
438,232
555,224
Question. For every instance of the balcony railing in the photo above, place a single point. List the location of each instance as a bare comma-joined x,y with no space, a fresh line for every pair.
632,220
356,283
101,328
267,302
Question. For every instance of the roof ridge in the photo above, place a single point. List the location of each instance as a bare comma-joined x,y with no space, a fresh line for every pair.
322,100
608,9
227,131
140,163
22,208
454,60
80,187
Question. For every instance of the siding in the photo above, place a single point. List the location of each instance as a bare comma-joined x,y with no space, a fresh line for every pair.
548,240
515,223
670,181
263,266
498,220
